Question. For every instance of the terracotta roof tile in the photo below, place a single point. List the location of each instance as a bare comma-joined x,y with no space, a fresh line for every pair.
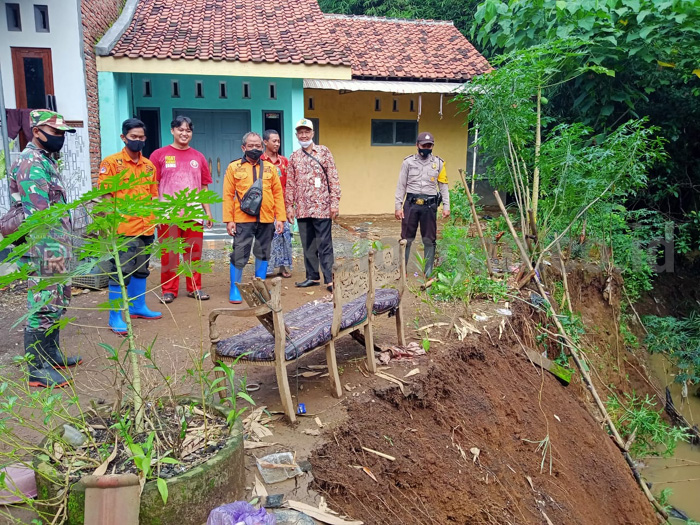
245,30
407,49
296,31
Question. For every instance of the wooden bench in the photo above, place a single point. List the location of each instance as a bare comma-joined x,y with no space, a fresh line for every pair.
360,292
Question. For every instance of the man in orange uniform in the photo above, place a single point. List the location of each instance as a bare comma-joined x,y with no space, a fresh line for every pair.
134,261
244,228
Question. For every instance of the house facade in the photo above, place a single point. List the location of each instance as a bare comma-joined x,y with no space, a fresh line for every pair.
369,84
48,60
229,67
405,74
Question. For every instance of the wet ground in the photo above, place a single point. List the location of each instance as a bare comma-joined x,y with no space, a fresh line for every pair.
487,400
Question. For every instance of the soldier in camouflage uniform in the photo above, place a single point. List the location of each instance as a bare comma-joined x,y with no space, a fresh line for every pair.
37,184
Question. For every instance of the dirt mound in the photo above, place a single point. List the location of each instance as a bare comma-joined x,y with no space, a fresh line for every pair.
480,394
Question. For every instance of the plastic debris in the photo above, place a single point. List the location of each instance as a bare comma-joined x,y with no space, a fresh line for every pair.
73,436
292,517
18,479
278,467
411,350
240,512
536,299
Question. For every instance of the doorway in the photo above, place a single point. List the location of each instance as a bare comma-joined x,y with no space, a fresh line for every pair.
151,118
33,76
217,135
273,120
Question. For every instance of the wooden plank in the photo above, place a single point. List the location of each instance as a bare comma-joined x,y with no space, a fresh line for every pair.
560,372
320,515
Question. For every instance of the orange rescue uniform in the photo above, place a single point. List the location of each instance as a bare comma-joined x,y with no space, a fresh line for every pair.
237,181
146,171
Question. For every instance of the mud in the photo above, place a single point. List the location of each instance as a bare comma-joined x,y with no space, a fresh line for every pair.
483,395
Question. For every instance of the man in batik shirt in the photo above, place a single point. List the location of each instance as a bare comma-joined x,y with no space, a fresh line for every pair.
312,197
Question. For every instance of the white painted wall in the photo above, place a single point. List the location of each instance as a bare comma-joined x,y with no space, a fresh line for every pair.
65,42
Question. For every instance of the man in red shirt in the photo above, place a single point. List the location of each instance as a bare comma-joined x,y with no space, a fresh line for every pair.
312,196
180,167
281,250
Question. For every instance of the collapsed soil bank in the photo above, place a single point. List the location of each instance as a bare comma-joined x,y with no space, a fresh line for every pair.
483,393
478,394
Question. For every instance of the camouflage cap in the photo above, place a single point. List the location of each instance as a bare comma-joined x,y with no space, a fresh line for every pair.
45,117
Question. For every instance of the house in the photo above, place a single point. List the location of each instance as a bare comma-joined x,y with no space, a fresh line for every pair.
48,60
369,84
404,76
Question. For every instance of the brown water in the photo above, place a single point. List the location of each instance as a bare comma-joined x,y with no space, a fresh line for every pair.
681,473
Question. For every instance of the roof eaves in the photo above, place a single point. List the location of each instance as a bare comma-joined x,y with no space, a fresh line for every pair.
114,33
367,18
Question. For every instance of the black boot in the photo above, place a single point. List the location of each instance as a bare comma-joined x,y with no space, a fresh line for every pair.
429,255
56,358
41,374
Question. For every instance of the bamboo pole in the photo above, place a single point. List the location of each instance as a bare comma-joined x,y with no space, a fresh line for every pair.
564,279
477,223
579,363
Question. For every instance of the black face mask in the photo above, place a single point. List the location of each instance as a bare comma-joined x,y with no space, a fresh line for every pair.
425,152
135,145
253,154
51,143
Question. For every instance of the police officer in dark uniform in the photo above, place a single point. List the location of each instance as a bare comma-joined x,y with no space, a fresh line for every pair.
422,186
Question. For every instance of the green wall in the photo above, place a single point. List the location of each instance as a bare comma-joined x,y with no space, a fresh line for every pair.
289,100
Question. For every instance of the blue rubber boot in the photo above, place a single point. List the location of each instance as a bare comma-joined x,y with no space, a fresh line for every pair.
234,295
116,323
260,269
137,299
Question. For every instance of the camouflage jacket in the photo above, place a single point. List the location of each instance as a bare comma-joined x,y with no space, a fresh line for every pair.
36,183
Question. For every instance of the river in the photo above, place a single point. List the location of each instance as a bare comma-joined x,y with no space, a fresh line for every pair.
680,473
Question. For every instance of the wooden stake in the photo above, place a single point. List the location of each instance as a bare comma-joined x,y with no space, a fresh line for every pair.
380,454
579,363
564,279
477,223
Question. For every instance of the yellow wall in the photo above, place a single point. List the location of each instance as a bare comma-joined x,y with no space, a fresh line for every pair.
231,68
368,174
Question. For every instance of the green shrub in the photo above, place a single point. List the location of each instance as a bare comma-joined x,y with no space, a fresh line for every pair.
653,437
680,340
461,270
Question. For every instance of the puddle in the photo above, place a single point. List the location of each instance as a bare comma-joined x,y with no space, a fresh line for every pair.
685,464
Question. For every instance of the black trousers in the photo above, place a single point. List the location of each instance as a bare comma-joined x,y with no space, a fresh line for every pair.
262,232
317,244
134,261
422,215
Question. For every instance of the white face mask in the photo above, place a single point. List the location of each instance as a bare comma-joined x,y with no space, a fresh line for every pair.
305,143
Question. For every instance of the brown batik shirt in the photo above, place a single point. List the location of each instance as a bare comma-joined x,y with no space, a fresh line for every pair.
312,191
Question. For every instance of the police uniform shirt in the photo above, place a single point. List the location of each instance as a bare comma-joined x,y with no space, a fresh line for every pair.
423,177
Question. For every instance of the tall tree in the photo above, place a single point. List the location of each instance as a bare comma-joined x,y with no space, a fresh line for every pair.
651,48
461,12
